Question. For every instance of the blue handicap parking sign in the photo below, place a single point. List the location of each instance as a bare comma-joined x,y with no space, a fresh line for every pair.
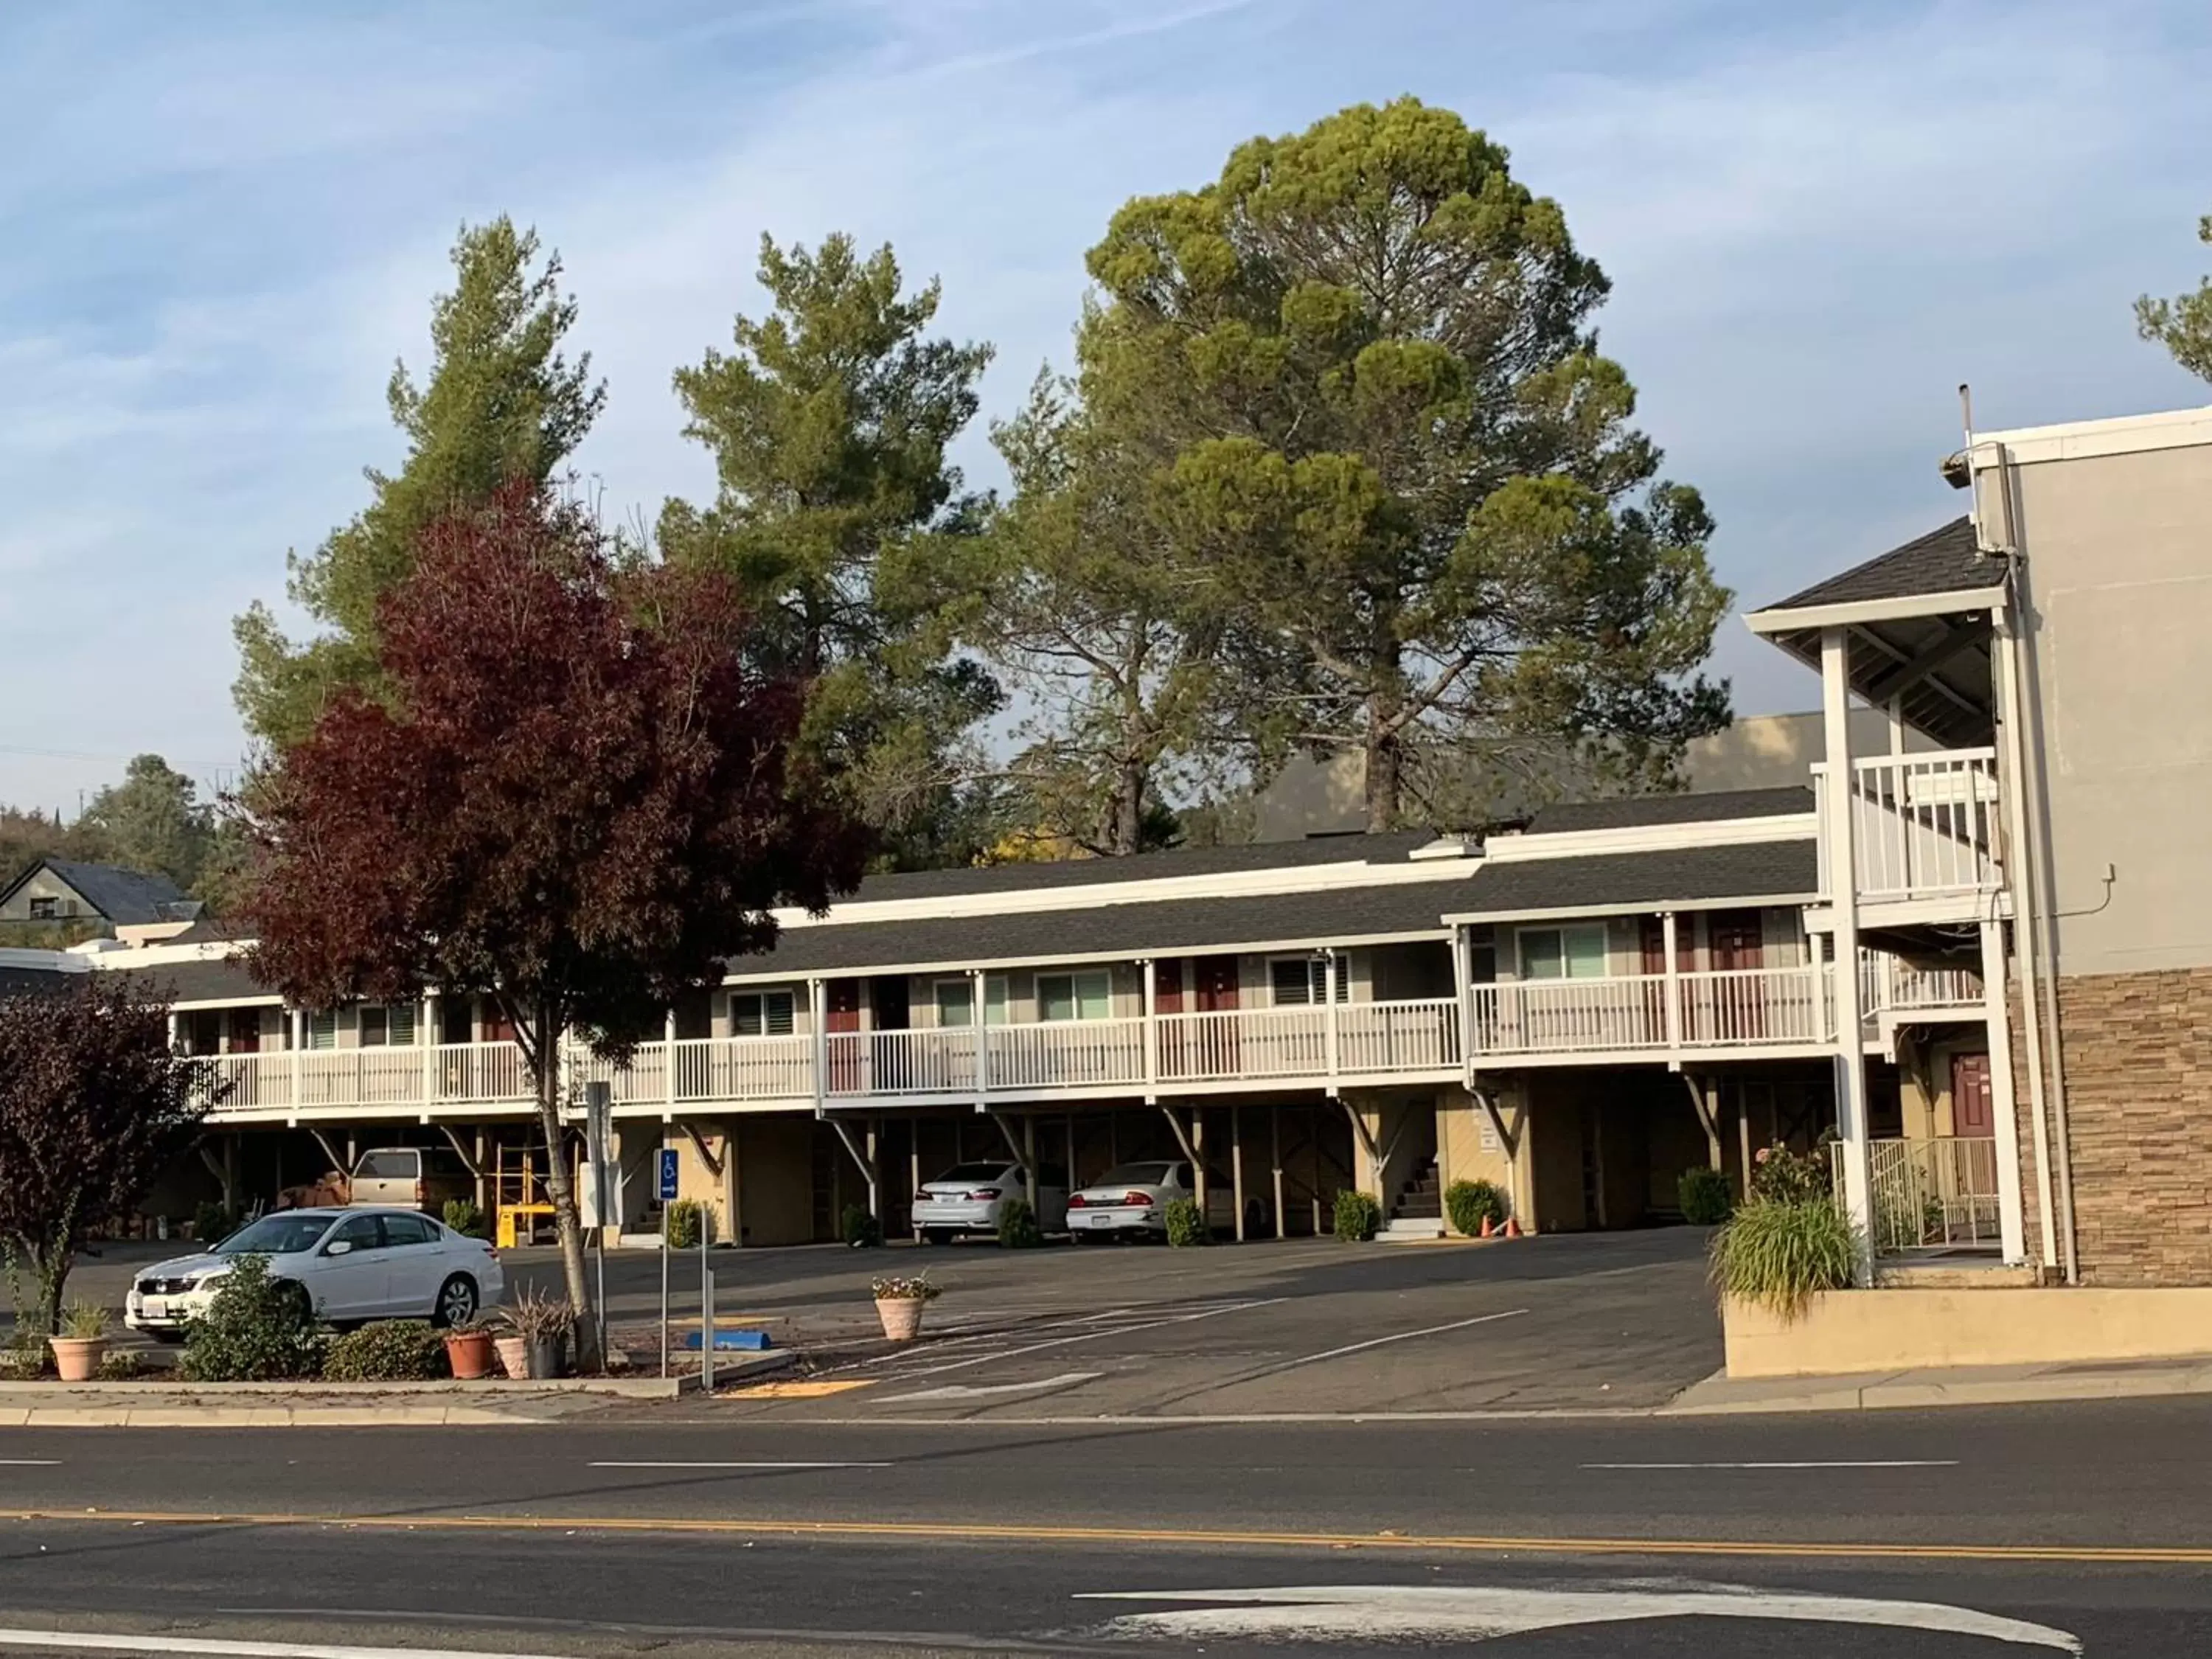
667,1173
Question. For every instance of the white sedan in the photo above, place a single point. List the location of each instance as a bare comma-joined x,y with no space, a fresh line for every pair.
1134,1198
968,1198
349,1264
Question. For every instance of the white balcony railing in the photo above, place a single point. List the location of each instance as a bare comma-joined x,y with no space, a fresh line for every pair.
1923,826
1747,1010
1753,1007
1935,1194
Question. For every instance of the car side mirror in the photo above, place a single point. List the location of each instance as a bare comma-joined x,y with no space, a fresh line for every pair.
338,1247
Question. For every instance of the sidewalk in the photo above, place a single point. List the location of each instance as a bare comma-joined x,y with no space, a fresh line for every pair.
1959,1385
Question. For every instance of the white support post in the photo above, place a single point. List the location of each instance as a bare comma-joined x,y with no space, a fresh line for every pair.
1463,988
668,1060
817,1014
299,1019
430,1017
1330,969
875,1171
1275,1163
1236,1163
2012,1224
979,996
1152,1032
1672,985
1836,830
1824,1012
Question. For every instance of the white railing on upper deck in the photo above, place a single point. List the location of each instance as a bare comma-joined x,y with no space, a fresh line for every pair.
1890,982
1067,1053
1570,1016
1923,826
1753,1007
1230,1044
1382,1038
890,1064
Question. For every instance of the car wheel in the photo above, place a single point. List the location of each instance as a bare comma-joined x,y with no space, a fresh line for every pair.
293,1295
935,1235
457,1302
169,1338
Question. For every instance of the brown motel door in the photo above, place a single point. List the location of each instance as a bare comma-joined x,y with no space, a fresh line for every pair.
1973,1109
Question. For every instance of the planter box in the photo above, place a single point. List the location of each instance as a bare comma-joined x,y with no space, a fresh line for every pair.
1898,1330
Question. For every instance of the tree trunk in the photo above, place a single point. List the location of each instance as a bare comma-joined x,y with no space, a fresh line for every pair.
567,1220
1126,833
51,1263
1385,757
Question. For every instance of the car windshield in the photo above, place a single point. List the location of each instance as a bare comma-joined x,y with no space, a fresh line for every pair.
974,1172
1135,1174
276,1235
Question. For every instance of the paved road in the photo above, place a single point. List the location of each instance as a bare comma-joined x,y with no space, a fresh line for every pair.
1960,1534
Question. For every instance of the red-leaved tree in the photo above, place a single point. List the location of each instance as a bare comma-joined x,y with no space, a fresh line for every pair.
93,1105
577,796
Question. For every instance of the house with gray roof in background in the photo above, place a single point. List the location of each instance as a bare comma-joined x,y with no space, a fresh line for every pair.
55,892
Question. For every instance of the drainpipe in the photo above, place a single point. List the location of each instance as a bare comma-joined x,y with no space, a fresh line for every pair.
2042,942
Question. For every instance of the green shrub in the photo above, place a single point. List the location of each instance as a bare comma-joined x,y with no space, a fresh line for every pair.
1705,1196
1186,1222
213,1222
1470,1203
123,1365
26,1357
1358,1216
1018,1224
389,1350
682,1221
1778,1254
862,1230
463,1216
257,1330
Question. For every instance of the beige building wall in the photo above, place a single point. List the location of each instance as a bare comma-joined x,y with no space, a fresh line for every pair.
2119,558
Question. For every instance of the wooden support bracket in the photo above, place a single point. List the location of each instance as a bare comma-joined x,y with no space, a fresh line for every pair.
699,1145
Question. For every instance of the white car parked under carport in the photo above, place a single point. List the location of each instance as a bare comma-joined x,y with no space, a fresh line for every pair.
968,1198
1132,1199
351,1265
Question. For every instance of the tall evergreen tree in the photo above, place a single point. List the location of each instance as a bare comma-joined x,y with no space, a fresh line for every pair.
2183,325
501,401
1404,478
828,421
153,821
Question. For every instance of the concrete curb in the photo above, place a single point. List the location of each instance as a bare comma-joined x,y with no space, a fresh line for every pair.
492,1401
1719,1395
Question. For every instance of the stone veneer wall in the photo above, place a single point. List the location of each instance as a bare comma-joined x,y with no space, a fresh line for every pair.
2137,1050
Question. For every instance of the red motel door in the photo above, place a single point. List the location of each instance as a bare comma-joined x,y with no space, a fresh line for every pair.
1973,1108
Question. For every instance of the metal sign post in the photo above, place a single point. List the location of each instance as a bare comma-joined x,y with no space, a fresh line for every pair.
667,1190
598,1136
705,1327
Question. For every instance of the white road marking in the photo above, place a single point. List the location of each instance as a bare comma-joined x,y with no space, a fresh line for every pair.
135,1641
650,1464
1092,1336
1402,1336
30,1462
1855,1463
990,1390
1424,1612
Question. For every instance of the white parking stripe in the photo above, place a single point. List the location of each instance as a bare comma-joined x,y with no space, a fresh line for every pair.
1402,1336
30,1462
1859,1463
647,1464
1092,1336
135,1641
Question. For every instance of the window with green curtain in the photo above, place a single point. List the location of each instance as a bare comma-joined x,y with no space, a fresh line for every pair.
1075,996
1576,952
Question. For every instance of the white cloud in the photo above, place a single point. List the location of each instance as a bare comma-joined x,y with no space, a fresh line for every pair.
1817,225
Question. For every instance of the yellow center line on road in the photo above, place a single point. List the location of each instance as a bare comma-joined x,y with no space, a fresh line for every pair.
977,1532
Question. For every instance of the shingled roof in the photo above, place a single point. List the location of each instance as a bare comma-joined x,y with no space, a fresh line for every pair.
1944,561
126,897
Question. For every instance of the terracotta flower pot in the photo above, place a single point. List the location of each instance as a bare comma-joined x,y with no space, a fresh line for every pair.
76,1358
902,1316
514,1356
469,1353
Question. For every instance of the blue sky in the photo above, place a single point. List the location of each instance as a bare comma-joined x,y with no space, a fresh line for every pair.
220,223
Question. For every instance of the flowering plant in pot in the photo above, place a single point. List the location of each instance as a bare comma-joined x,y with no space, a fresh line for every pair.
82,1341
541,1324
469,1349
900,1299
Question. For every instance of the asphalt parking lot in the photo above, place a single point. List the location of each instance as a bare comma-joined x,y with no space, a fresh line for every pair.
1573,1321
1586,1320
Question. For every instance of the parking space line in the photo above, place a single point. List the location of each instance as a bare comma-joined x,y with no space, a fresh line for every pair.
30,1462
1853,1463
1092,1336
652,1464
1402,1336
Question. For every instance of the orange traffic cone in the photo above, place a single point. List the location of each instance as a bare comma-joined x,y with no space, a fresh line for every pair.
1512,1228
1487,1230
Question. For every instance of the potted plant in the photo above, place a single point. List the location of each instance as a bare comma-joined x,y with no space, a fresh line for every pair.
541,1324
899,1302
82,1340
469,1349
